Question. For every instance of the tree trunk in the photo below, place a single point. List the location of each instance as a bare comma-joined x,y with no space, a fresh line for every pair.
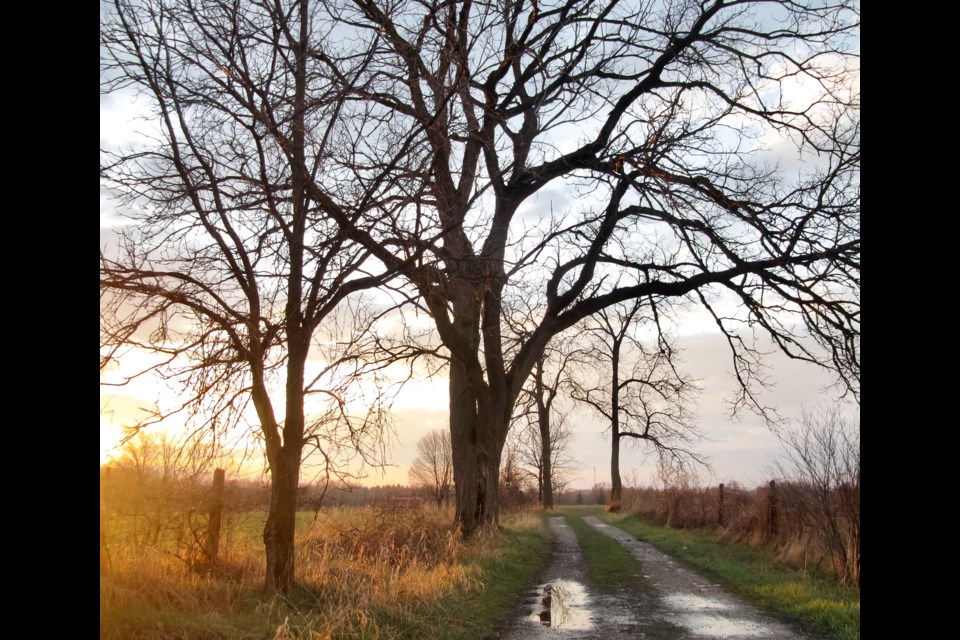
546,441
616,487
476,455
278,533
280,529
546,455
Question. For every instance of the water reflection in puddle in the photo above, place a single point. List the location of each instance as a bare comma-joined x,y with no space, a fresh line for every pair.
563,605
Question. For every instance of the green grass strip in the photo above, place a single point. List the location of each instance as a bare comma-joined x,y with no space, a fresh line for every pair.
609,565
816,602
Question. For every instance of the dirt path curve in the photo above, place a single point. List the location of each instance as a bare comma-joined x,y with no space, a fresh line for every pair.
671,603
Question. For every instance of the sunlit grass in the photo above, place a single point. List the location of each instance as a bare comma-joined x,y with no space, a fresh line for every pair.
362,573
815,601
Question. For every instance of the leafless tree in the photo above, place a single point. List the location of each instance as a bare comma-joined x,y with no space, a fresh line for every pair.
638,389
708,147
231,266
664,120
542,430
516,484
432,469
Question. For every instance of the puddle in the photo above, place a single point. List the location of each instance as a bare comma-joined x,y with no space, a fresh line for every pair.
714,626
690,601
563,604
702,616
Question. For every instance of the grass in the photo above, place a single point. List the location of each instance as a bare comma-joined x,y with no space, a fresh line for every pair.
520,556
610,566
817,602
362,573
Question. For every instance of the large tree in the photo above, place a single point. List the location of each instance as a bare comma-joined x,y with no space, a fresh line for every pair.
228,268
597,151
577,153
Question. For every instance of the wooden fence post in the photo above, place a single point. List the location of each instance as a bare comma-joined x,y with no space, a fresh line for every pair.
215,516
774,510
720,506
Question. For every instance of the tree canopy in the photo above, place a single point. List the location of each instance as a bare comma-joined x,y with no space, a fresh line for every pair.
489,159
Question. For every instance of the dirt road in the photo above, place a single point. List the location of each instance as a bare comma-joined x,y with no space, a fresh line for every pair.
672,602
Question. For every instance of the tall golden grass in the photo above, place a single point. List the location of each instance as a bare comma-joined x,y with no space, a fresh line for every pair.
370,572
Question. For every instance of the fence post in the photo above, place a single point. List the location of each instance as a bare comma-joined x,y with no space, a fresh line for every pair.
774,510
720,506
215,515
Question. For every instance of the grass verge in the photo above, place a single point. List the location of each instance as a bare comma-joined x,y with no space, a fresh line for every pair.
816,602
520,556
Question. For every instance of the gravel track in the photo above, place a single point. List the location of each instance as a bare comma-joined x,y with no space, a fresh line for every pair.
667,601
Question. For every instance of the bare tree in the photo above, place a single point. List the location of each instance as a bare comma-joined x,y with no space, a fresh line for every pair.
663,119
464,129
432,469
641,393
543,435
516,483
230,264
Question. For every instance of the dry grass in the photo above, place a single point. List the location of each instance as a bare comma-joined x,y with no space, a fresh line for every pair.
791,528
362,573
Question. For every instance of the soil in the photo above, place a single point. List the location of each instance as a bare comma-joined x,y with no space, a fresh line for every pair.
667,601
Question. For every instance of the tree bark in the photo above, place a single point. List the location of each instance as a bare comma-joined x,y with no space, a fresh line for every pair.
278,533
476,455
546,452
546,442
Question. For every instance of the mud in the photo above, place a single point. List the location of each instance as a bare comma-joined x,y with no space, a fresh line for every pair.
666,601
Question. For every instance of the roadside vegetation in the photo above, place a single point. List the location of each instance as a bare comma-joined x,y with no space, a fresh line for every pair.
807,596
367,572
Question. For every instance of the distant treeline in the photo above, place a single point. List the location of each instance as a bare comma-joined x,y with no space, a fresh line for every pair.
127,491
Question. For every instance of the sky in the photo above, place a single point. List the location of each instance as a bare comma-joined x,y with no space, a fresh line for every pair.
739,448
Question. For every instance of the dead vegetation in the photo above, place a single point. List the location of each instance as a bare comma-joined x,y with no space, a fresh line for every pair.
810,514
366,572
